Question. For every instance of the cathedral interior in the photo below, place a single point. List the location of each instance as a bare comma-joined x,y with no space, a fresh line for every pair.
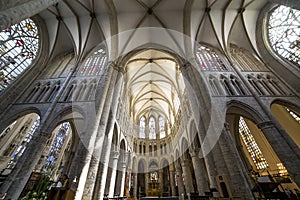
148,99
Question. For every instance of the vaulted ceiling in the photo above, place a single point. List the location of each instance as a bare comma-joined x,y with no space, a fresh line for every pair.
154,85
80,25
153,78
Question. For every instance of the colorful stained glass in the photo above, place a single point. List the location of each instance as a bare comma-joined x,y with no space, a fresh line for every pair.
56,148
209,60
23,145
284,33
19,45
94,64
251,145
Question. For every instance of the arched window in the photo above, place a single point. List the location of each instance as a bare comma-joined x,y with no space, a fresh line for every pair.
162,131
293,114
284,33
24,129
252,147
152,134
19,45
57,146
142,127
209,60
94,64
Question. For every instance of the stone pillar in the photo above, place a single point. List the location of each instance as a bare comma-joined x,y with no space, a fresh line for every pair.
114,157
172,180
188,180
94,137
283,150
201,100
146,182
77,162
200,172
20,11
110,129
17,180
179,180
124,166
135,189
239,182
161,180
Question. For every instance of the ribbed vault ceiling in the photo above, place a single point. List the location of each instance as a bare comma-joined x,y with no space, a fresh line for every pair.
80,25
154,85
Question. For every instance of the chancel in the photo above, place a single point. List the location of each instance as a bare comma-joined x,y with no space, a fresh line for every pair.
149,99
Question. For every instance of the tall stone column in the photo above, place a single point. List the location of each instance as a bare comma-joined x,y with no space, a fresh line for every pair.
283,150
172,179
201,100
146,182
77,162
94,135
239,183
20,11
200,172
179,180
135,188
124,166
188,180
114,157
110,129
161,180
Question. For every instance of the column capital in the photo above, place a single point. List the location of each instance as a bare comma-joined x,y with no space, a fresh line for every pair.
116,67
194,152
185,163
265,125
115,155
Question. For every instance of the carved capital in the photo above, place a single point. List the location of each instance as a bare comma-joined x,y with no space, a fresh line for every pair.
116,67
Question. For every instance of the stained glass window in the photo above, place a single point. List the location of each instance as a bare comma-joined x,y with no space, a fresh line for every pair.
142,127
23,145
284,33
152,134
251,145
293,114
56,148
94,64
209,60
19,45
162,127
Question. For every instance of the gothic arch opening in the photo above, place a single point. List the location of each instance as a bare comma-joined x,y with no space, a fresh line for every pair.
289,118
14,139
266,171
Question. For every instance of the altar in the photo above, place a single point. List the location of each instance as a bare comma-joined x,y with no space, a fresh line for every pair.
154,186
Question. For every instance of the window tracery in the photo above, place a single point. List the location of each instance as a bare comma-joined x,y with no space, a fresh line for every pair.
284,33
94,64
251,145
20,149
56,148
19,45
142,127
209,60
152,133
162,127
